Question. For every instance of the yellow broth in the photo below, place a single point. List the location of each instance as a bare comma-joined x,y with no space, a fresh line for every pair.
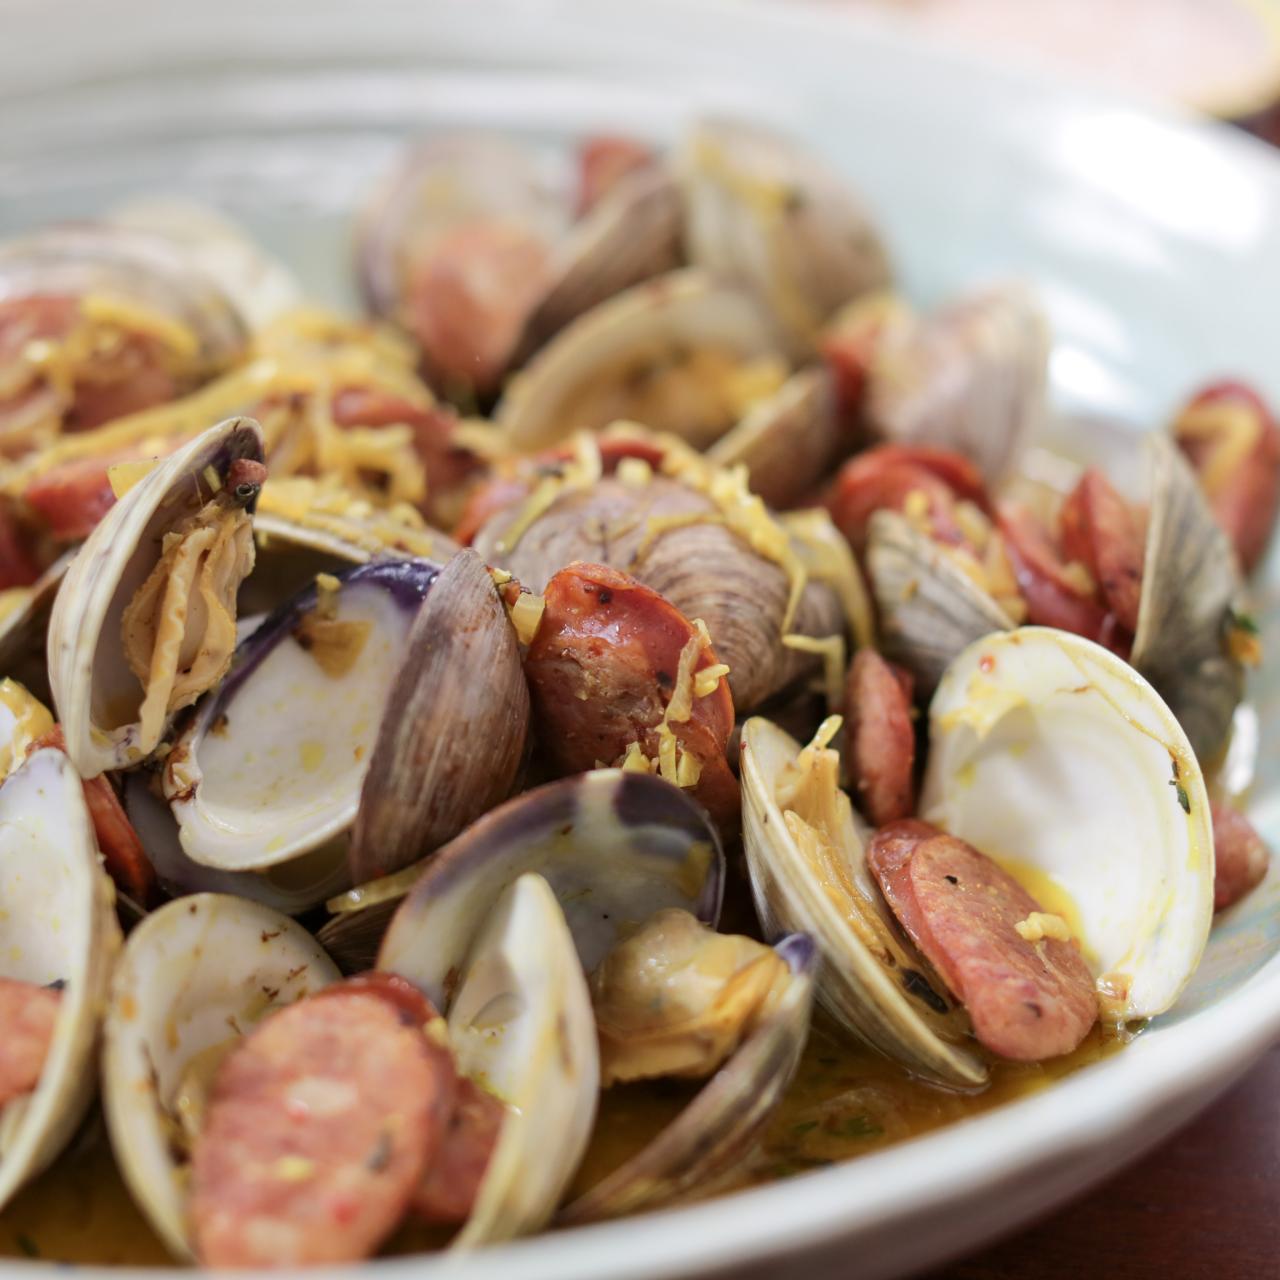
845,1102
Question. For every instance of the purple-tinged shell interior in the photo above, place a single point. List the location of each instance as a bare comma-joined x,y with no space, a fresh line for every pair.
615,847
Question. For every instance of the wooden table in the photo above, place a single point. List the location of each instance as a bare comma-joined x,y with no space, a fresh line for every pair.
1205,1206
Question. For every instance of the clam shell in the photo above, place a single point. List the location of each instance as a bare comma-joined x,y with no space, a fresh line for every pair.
522,1021
1190,582
1048,751
57,924
194,975
270,767
789,441
124,262
648,323
96,693
761,210
930,609
630,235
452,742
868,979
712,1134
615,848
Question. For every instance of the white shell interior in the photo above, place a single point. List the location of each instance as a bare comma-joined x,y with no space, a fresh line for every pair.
57,924
282,775
1049,753
522,1024
194,975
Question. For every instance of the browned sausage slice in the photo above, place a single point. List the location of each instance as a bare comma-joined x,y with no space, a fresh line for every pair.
602,670
1240,856
28,1014
1100,531
880,738
320,1126
1027,1000
448,1192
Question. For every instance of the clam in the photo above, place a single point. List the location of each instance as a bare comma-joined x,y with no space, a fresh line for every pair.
57,929
806,855
711,1135
144,621
969,377
682,353
762,211
788,441
1054,757
195,975
260,287
268,770
615,847
930,608
505,972
698,537
630,234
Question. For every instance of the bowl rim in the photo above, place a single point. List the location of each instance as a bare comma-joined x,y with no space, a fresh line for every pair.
1188,1060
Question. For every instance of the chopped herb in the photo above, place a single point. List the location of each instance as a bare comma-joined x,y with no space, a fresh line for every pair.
829,1062
380,1156
1183,799
27,1245
1243,622
860,1126
800,1130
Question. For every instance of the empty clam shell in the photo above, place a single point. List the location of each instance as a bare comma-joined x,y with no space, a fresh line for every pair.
761,210
1054,757
715,1130
57,926
806,855
271,765
105,708
195,976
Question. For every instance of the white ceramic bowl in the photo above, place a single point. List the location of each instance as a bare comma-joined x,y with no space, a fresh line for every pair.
1155,241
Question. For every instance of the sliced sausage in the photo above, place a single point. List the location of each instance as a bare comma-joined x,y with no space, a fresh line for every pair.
884,477
880,738
448,1192
602,669
1241,858
72,497
319,1128
122,852
18,566
1233,441
1027,1000
602,162
1100,531
1052,599
28,1015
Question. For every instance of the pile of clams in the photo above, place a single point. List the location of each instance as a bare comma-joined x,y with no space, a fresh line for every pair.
642,642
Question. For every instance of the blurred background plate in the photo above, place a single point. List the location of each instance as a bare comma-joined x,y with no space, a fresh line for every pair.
1155,241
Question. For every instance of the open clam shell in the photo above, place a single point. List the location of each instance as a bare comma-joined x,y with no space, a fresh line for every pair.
615,847
271,765
453,740
129,265
57,925
1190,582
806,855
714,1131
101,703
631,234
1054,757
520,1019
929,608
195,976
761,210
602,366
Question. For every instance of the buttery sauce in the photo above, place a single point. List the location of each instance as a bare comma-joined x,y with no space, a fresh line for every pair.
845,1102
